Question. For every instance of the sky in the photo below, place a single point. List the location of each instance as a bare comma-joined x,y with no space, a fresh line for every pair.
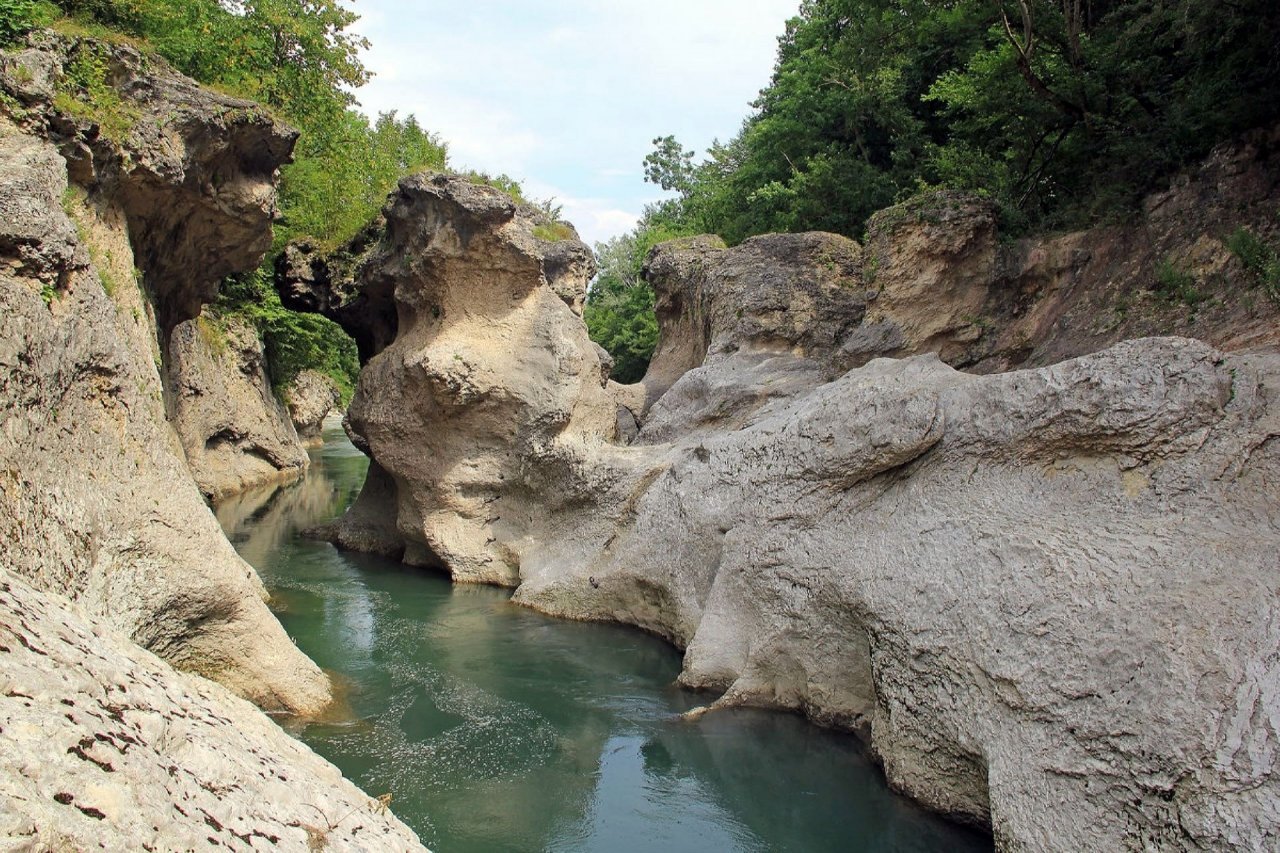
566,96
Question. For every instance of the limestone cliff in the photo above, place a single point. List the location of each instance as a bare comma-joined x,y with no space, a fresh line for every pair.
235,432
1046,598
116,224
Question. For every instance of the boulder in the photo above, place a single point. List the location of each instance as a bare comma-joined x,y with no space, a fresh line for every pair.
107,747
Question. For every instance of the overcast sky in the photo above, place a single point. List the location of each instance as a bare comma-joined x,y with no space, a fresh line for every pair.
567,95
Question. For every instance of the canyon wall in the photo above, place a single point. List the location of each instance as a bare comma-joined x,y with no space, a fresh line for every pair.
114,230
117,220
235,433
1048,586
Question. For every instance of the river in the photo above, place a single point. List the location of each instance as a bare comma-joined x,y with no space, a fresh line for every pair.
497,729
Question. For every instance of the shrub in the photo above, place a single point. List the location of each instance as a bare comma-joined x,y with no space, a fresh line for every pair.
19,17
1259,258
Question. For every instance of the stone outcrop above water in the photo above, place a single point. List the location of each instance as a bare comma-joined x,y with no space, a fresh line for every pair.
235,432
311,396
106,747
490,343
1046,598
106,244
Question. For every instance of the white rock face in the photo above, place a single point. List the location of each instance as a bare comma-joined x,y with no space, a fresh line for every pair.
106,747
234,432
1046,598
490,342
98,504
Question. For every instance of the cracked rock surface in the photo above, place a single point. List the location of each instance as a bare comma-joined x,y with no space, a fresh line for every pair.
108,748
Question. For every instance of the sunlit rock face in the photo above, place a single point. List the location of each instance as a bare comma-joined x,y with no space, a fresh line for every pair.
1045,597
235,432
483,298
107,747
106,244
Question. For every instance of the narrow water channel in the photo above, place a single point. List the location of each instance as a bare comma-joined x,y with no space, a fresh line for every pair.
497,729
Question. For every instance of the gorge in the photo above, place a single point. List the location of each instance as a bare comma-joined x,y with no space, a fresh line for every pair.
934,489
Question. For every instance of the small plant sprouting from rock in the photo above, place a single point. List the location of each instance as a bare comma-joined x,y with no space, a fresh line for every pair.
85,93
213,333
554,232
1259,258
1177,285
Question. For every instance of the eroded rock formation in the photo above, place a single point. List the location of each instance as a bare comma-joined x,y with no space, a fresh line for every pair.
105,245
480,301
311,397
1045,598
235,432
106,747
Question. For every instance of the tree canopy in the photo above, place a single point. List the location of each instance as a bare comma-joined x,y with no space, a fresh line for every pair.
1061,110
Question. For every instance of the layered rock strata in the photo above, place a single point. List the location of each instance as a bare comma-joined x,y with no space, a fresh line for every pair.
235,433
1051,586
113,230
107,748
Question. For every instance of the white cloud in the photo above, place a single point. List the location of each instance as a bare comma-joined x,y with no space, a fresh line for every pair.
569,94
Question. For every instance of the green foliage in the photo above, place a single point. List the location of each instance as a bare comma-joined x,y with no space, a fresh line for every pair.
19,17
1176,284
619,311
343,172
1259,258
294,342
503,182
1061,112
214,334
554,231
86,92
299,59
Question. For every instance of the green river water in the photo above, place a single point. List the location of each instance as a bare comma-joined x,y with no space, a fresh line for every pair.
497,729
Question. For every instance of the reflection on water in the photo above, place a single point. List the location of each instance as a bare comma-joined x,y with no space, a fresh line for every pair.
498,729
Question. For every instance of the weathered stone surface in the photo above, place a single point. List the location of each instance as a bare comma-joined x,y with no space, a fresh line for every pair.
1051,586
107,747
481,300
311,396
98,503
234,432
1046,598
193,174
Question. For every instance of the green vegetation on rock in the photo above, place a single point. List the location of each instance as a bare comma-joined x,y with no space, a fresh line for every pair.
1259,258
1062,113
299,60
